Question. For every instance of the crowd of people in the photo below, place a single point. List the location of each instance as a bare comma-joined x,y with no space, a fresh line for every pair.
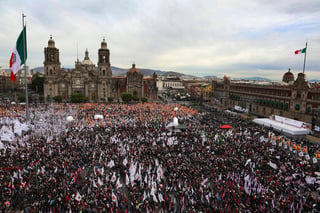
131,160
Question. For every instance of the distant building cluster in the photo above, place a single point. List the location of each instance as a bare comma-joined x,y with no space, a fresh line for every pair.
94,82
6,85
292,98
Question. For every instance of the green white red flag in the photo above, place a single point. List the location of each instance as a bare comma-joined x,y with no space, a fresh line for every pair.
19,54
300,51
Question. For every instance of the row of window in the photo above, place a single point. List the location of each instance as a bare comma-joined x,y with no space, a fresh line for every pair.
274,92
261,101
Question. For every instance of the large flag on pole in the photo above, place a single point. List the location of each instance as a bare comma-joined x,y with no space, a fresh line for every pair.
19,54
300,51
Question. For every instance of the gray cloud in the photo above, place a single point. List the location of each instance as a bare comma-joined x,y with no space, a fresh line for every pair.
189,36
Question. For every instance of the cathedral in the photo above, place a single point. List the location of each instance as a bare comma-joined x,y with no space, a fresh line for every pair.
94,82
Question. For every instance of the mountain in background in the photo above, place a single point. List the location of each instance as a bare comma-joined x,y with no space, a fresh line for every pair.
37,69
313,81
211,77
117,71
254,79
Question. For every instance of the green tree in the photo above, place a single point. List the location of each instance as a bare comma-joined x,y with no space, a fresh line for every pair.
126,97
110,99
21,98
144,100
37,83
78,98
135,98
57,98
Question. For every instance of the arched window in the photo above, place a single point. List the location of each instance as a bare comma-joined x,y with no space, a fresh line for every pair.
104,72
50,71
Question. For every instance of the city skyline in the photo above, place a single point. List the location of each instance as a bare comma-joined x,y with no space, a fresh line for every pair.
237,39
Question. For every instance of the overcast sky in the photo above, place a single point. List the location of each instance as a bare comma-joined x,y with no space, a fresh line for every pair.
199,37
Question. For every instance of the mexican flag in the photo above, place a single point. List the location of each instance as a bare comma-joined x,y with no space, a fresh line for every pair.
19,54
300,51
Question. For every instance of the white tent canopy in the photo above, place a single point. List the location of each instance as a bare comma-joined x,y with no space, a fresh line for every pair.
281,126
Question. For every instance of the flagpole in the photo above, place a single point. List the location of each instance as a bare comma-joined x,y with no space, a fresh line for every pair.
304,63
25,69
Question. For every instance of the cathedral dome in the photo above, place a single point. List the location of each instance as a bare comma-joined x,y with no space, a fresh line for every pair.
86,60
288,77
133,69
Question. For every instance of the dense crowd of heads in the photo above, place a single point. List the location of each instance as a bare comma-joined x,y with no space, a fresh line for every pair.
131,162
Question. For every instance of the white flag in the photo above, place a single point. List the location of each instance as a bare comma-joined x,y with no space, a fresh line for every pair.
113,178
144,196
125,162
100,181
114,198
127,180
160,197
118,184
314,160
273,165
78,196
111,164
204,181
155,198
94,184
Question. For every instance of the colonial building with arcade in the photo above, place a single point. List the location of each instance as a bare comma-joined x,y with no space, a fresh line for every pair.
94,82
293,98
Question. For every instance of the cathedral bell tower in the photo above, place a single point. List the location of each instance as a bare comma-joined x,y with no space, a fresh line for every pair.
51,60
104,71
51,70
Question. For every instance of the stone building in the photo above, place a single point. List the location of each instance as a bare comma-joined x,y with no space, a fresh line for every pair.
94,82
296,99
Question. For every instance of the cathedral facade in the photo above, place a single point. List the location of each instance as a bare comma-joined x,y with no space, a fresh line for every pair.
94,82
